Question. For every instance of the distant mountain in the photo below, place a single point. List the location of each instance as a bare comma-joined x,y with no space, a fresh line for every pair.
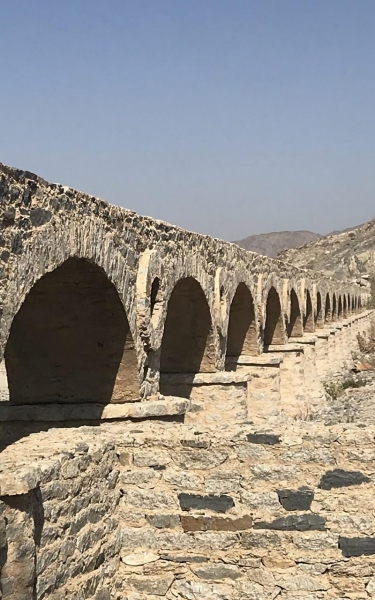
270,244
349,253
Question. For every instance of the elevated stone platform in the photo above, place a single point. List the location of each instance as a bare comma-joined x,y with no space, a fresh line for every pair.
163,510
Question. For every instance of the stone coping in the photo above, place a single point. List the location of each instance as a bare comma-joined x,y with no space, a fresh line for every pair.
32,459
323,335
263,360
169,406
219,378
306,339
285,348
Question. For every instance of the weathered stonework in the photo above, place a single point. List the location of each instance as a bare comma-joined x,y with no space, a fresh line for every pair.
160,385
221,517
100,305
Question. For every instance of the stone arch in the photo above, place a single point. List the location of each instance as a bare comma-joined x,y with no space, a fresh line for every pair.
274,326
308,319
70,340
242,333
294,328
187,344
318,317
327,309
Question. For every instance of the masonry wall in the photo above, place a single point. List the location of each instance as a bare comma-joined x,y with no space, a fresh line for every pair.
58,528
182,512
45,227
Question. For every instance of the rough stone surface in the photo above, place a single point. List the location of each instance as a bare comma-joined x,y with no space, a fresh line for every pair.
101,311
263,438
93,526
300,499
357,546
221,503
339,478
305,522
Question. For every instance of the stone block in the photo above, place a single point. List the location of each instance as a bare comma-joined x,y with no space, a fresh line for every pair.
338,478
357,546
268,439
221,503
184,558
266,540
190,523
306,522
199,459
217,572
163,521
300,499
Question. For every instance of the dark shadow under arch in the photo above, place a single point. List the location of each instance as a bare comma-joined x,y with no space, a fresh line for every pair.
187,344
242,334
339,309
308,319
327,310
295,328
318,317
70,341
334,308
273,329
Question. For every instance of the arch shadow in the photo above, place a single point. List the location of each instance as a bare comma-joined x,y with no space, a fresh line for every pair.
71,342
187,346
318,317
242,332
308,319
273,333
294,328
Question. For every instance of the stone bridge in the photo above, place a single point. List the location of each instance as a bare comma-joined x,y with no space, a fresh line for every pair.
224,488
103,309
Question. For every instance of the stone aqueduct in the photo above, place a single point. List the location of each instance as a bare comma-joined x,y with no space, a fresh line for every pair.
224,488
101,305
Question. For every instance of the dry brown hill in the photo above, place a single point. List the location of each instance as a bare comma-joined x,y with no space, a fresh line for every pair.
270,244
350,253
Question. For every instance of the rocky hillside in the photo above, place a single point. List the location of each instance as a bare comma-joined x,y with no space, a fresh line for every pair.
350,253
270,244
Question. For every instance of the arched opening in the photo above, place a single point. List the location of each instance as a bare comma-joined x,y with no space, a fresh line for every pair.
327,310
318,317
295,322
308,319
70,341
334,308
242,335
154,294
274,329
187,344
345,307
339,309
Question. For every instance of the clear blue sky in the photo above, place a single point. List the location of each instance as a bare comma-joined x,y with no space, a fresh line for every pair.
227,117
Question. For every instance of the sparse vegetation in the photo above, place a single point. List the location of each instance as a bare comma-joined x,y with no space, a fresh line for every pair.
366,344
335,389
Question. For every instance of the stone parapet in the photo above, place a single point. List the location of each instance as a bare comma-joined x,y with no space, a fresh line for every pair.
169,510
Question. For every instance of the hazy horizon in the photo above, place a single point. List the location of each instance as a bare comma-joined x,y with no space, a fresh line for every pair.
225,117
